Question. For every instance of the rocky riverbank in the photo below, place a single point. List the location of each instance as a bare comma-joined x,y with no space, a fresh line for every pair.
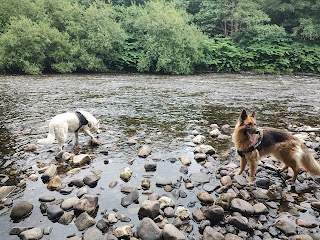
207,203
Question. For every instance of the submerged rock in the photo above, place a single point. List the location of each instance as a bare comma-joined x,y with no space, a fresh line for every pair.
21,210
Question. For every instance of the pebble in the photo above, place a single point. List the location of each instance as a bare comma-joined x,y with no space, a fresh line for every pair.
205,198
145,151
21,210
31,234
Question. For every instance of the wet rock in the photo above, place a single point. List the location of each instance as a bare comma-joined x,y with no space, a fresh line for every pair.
82,191
130,198
126,174
18,230
205,198
66,190
148,230
145,183
87,203
168,212
47,199
144,151
182,213
113,184
149,209
166,202
21,210
66,156
239,222
103,225
33,177
242,206
31,234
240,180
185,160
91,180
30,148
259,195
199,139
54,183
5,191
84,221
210,234
226,181
224,200
209,187
214,133
66,218
199,157
92,233
81,159
68,203
230,236
206,149
163,182
200,177
73,171
302,237
76,182
112,218
198,215
184,170
123,232
54,212
49,173
286,227
127,189
213,213
150,167
260,208
303,222
316,205
170,232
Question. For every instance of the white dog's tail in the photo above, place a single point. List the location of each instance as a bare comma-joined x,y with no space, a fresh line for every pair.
309,163
50,138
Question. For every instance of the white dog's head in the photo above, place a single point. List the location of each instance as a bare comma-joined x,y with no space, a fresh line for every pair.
95,127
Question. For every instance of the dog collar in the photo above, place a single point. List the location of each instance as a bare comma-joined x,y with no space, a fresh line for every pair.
82,120
253,147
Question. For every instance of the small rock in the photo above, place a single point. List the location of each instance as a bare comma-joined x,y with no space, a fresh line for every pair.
21,210
87,203
185,160
81,159
166,202
241,206
210,234
92,233
34,233
182,213
147,226
149,209
66,218
170,232
213,213
54,212
123,232
91,180
144,151
30,147
200,177
126,174
130,198
199,139
54,182
84,221
286,227
150,167
205,198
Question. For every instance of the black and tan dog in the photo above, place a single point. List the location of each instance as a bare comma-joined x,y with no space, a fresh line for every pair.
253,143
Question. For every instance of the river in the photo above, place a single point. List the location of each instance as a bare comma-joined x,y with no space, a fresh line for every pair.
159,110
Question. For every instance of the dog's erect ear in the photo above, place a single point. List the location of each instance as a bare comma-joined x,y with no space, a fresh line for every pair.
252,114
243,116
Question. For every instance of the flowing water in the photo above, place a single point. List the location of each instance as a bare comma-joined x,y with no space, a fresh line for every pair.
158,110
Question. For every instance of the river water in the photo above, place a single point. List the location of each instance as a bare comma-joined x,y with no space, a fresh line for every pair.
158,110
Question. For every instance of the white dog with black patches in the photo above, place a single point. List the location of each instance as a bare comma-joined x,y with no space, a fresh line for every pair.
73,122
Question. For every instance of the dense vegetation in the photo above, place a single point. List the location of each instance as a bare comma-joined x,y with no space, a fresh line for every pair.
159,36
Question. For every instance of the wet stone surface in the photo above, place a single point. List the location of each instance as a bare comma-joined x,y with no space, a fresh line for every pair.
165,163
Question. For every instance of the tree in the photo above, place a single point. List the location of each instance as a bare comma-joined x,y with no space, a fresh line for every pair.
30,47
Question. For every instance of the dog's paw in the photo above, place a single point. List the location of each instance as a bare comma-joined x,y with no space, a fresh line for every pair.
95,142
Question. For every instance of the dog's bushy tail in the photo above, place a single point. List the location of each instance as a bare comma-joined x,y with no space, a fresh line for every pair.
50,138
309,163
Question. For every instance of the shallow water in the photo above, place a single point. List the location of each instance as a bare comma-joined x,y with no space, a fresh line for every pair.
159,110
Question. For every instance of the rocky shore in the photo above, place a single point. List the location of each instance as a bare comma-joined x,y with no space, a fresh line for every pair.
207,203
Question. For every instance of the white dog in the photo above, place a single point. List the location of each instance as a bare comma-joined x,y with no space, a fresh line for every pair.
72,122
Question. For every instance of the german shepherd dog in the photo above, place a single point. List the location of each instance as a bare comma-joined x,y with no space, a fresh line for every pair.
253,143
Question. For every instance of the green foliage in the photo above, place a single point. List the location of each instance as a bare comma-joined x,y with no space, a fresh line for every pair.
31,47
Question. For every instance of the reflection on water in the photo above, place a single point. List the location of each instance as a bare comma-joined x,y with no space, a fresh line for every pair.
160,110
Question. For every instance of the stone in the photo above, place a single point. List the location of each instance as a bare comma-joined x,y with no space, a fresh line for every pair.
84,221
30,147
168,212
34,233
33,177
214,133
113,184
209,187
199,139
82,191
226,181
198,215
49,173
210,234
240,180
149,209
200,177
21,210
303,222
81,159
242,206
185,160
302,237
54,212
87,203
54,183
170,232
76,182
103,224
73,171
166,202
150,167
260,208
47,199
93,233
126,174
206,149
163,182
199,157
68,203
148,230
123,232
205,198
230,236
91,180
286,227
5,191
239,222
259,195
144,151
130,198
66,218
213,213
182,213
145,183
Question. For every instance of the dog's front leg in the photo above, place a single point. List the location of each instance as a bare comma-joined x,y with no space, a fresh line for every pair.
243,163
253,165
76,136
